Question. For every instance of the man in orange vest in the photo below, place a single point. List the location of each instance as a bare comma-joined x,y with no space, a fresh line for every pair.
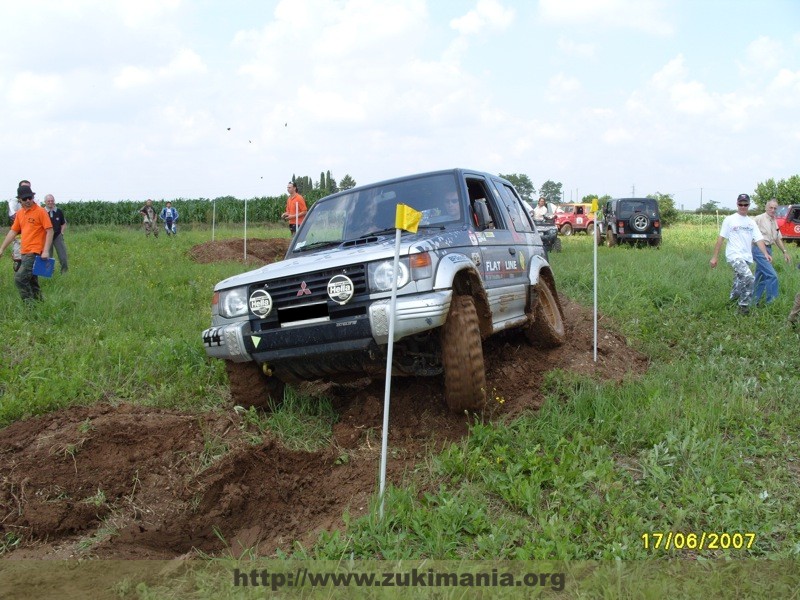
33,224
295,208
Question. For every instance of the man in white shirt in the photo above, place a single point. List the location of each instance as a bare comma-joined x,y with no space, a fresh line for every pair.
766,277
741,232
540,212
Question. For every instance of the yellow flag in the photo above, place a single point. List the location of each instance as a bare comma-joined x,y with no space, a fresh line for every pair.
407,218
594,205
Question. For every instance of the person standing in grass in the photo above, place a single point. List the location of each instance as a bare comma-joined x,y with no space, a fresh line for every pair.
170,217
766,277
149,218
36,230
59,227
295,208
741,232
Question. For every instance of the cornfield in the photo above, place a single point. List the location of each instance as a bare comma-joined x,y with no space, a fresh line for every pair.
200,210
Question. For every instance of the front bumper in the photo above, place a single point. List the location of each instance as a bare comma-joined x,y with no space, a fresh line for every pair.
413,314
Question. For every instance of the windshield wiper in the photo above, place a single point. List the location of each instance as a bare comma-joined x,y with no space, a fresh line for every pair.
377,233
316,245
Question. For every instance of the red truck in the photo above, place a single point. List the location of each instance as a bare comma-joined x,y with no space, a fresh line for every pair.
574,217
788,219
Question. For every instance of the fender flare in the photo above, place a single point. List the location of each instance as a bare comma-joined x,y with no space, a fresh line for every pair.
457,272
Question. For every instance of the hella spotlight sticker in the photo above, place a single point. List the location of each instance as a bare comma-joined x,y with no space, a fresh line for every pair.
341,289
260,303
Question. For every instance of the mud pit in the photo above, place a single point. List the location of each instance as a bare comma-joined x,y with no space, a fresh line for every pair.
71,477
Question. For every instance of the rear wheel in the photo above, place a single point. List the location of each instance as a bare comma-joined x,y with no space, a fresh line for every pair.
590,229
546,329
566,229
611,239
557,245
251,387
462,357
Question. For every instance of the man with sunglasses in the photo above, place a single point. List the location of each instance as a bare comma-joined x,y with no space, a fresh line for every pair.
741,232
33,224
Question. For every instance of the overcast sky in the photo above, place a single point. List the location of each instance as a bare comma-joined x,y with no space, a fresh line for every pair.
130,99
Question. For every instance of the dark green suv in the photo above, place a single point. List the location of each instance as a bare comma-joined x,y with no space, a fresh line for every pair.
632,220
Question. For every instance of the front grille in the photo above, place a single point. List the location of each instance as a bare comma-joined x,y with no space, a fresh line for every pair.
310,288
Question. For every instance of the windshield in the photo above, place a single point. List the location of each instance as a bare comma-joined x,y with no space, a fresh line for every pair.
781,211
370,211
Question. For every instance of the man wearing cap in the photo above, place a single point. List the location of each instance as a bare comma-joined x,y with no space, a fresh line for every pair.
33,224
741,232
295,208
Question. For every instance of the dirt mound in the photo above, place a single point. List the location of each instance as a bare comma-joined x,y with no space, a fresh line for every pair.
138,482
258,250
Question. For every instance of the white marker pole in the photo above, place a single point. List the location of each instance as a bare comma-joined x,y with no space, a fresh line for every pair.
213,217
595,290
245,230
388,386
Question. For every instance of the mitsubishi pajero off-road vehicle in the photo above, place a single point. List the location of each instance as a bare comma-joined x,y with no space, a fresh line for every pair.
474,267
632,220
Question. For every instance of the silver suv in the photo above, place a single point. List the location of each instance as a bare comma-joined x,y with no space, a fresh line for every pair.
475,266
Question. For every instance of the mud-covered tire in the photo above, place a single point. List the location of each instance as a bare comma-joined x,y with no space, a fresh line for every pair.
611,239
590,228
556,246
546,326
251,387
462,357
566,229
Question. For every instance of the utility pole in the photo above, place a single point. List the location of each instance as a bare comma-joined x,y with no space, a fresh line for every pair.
701,197
633,191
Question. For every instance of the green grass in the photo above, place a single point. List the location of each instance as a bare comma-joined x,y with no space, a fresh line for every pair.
705,441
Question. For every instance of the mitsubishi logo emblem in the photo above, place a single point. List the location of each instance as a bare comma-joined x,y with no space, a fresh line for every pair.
303,290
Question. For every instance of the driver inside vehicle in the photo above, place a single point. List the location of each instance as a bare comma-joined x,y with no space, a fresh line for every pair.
452,205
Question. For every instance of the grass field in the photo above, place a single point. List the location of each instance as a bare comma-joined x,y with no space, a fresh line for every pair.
705,442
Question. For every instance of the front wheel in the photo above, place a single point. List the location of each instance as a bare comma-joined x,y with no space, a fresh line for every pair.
546,326
462,357
251,387
611,239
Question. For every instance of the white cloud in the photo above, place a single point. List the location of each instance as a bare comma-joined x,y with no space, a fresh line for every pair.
764,53
643,15
576,49
131,77
34,96
185,63
487,14
561,88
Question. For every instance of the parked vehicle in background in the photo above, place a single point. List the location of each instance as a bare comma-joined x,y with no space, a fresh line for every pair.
546,227
476,266
788,219
632,220
570,218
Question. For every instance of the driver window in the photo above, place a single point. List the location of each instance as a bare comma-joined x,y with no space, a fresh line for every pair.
480,195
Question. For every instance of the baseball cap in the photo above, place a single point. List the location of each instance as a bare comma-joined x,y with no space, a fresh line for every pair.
24,192
743,198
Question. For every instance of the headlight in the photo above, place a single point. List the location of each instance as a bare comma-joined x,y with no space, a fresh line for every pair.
414,267
382,273
233,302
